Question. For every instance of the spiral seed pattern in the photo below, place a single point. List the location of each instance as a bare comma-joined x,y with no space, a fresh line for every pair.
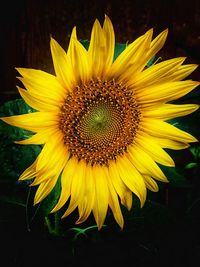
99,120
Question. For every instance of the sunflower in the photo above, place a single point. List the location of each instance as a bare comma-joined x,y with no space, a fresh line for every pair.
102,122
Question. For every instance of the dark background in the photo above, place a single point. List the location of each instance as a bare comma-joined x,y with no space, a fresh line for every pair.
25,30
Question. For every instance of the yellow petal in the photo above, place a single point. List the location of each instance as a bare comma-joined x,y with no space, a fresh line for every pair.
77,187
101,48
165,92
114,203
101,195
80,63
85,207
169,111
179,74
156,45
37,102
62,65
54,151
146,143
66,180
44,189
30,172
54,165
163,129
156,72
182,72
144,163
167,143
97,50
122,190
132,178
39,138
110,43
43,84
130,59
33,121
150,183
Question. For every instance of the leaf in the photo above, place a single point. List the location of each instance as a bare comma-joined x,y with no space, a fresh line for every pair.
176,178
191,165
85,43
119,48
151,61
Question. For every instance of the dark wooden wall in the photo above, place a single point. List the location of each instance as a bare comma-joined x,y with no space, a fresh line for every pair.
26,27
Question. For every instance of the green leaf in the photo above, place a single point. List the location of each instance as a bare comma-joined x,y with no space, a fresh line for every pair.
176,177
151,61
85,43
191,165
119,48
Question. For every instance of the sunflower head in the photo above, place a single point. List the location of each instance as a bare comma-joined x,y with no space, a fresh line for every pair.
103,122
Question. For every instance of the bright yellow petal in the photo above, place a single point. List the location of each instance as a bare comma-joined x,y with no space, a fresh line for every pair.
54,151
39,103
165,92
33,121
44,190
163,129
144,163
167,143
179,74
48,164
130,59
156,72
150,183
114,202
156,45
146,143
182,72
79,59
39,138
97,50
110,43
122,190
66,181
85,207
30,172
101,195
77,187
55,164
43,84
132,178
169,111
62,65
101,48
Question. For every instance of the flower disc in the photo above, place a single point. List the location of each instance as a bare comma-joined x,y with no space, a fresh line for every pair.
99,120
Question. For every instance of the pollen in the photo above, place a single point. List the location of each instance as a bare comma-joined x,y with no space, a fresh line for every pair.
99,121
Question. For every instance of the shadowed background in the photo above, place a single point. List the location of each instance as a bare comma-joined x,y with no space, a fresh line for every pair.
25,28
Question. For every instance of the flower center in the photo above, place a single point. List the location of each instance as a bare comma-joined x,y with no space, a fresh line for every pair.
101,124
99,120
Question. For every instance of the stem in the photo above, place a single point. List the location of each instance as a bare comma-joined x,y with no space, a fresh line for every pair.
54,229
